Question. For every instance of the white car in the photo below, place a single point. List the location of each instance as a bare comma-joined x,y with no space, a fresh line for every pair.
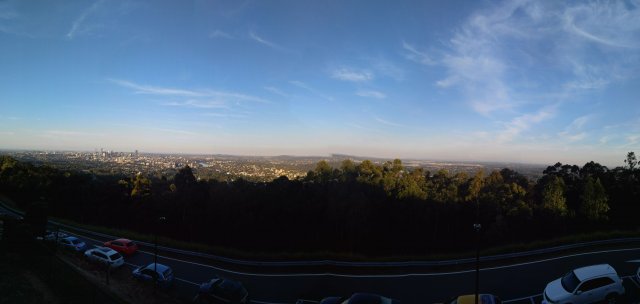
105,255
589,284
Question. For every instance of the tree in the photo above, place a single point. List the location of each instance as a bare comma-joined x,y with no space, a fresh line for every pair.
553,197
323,171
475,186
184,178
141,186
631,161
594,200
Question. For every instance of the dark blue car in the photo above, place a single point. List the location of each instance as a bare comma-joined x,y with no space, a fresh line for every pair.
219,290
159,273
360,298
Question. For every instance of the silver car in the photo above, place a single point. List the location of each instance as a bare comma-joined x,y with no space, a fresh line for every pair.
105,255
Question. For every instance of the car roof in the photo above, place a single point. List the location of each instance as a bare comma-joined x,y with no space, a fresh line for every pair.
161,268
106,250
587,272
365,298
71,238
122,240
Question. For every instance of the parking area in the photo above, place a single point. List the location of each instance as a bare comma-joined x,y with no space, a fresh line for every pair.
631,296
632,288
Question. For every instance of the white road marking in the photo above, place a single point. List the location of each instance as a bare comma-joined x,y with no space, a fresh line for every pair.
183,280
520,299
532,301
634,282
329,274
633,261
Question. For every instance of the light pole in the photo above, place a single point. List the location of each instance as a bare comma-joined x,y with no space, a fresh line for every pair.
155,255
477,227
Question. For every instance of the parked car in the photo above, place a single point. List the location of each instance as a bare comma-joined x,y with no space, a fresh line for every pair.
74,243
220,290
51,235
106,256
360,298
589,284
471,299
159,273
124,246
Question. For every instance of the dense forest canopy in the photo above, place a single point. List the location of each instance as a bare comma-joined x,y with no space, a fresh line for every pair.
360,208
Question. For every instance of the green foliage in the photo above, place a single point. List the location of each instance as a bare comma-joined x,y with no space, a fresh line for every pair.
141,186
553,197
631,161
594,201
359,208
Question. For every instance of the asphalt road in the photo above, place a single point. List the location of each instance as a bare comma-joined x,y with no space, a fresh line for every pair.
517,283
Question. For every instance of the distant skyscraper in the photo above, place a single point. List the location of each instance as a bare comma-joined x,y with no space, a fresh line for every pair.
136,153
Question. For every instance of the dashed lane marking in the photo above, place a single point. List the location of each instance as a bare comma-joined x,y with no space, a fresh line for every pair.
183,280
522,299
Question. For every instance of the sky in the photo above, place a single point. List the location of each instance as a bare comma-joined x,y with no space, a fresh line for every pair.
508,81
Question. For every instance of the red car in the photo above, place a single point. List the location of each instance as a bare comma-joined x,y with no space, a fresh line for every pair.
123,246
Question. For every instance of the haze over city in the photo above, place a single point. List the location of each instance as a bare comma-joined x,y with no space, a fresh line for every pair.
522,81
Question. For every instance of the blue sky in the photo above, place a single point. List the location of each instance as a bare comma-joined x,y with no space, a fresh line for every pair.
523,81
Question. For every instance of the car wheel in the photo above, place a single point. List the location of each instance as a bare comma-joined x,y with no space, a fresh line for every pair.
611,298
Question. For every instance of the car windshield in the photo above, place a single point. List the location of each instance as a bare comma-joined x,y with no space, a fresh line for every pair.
76,242
130,244
570,282
167,273
115,256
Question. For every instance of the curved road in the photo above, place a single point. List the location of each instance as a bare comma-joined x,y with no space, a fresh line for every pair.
516,283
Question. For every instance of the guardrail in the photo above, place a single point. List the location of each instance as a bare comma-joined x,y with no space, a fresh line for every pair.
451,262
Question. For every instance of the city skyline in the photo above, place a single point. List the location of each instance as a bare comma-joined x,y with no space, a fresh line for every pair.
508,81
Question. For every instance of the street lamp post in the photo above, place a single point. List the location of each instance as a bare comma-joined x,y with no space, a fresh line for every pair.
477,228
155,255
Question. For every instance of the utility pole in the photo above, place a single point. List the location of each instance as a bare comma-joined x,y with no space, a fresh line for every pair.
155,256
477,226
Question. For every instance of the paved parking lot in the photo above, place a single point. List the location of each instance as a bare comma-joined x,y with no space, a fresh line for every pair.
631,296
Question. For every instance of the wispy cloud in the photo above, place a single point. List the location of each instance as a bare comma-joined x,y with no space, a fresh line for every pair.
372,94
490,55
387,68
522,123
277,91
202,104
348,74
413,54
253,36
225,115
386,122
7,133
206,93
76,27
221,34
611,24
307,87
